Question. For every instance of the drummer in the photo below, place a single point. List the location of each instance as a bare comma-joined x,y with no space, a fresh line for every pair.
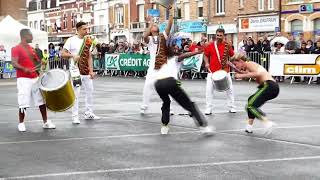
219,52
268,89
73,49
27,64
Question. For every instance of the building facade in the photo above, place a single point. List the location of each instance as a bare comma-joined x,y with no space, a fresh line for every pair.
119,20
259,18
59,17
100,28
301,18
16,9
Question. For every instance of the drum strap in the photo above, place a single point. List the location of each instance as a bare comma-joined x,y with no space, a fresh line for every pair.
224,60
36,64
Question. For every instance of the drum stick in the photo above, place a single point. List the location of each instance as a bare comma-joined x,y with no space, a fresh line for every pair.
234,67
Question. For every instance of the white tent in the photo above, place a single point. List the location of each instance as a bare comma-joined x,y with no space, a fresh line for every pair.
10,35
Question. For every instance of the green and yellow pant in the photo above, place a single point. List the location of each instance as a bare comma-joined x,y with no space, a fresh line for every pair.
266,91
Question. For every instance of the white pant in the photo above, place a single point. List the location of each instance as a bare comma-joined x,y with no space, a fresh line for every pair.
28,90
148,88
88,87
210,88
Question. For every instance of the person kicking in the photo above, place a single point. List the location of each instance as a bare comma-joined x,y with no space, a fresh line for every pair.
268,89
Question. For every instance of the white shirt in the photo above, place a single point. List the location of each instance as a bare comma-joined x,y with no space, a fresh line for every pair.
73,45
153,47
170,69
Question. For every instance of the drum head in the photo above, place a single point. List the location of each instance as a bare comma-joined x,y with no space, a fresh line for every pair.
53,80
218,75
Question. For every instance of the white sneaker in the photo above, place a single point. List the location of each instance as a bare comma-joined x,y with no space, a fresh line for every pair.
143,111
249,129
21,127
90,116
75,120
171,112
208,111
164,129
232,110
49,125
207,131
268,125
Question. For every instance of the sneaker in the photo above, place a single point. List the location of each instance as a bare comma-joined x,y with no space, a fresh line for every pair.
249,129
164,129
49,125
207,131
208,111
142,111
90,116
171,112
268,125
232,110
75,120
21,127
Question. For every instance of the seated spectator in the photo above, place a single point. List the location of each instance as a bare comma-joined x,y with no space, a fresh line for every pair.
303,49
310,46
292,45
279,48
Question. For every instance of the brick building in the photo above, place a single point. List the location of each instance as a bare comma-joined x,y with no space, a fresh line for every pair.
17,9
301,19
258,18
119,20
59,17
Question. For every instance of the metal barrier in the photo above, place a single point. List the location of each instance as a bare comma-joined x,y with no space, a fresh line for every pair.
58,64
260,58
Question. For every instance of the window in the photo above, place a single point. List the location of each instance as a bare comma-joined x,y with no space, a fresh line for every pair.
73,20
30,24
296,26
186,11
220,7
179,12
119,15
35,25
65,21
41,25
200,8
316,24
241,3
270,4
260,5
141,12
292,1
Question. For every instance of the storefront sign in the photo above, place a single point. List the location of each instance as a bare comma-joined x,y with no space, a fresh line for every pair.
187,26
258,24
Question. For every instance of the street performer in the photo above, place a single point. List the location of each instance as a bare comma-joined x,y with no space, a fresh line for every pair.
268,89
28,64
219,52
156,43
78,50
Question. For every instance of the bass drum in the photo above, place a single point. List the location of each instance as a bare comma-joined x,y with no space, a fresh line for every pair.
57,90
220,80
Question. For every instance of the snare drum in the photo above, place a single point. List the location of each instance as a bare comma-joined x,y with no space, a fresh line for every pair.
56,89
220,80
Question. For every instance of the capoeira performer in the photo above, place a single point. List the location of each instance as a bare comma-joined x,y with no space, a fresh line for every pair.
78,49
156,46
167,84
27,64
219,52
268,89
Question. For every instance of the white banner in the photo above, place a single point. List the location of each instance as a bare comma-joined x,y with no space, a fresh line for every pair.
258,24
294,64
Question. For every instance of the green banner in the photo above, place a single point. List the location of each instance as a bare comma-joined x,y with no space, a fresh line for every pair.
192,63
140,62
127,62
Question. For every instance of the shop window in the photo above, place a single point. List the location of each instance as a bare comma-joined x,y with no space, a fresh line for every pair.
296,26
